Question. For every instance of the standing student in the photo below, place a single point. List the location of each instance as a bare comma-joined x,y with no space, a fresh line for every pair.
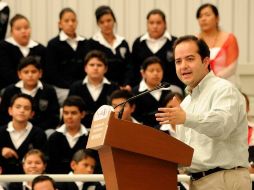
19,135
157,41
211,119
95,88
223,45
65,55
147,105
46,107
114,46
34,162
69,137
17,46
83,162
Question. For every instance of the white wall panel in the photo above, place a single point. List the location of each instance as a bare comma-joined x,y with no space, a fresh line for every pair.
240,29
251,32
179,16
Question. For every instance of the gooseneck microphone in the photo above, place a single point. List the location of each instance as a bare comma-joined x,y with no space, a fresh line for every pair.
162,85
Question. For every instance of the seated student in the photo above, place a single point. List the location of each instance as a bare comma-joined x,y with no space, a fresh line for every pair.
95,88
147,105
46,107
34,162
169,103
19,135
83,162
43,182
119,96
68,138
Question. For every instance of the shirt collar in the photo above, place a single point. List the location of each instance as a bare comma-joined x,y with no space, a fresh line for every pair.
99,38
10,127
20,84
146,36
201,85
64,37
30,44
104,81
63,130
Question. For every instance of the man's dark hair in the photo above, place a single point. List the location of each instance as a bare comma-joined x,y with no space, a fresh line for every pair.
96,54
76,101
42,178
22,95
125,94
29,60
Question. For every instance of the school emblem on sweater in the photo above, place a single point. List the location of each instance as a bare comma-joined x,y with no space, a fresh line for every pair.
169,56
123,51
43,104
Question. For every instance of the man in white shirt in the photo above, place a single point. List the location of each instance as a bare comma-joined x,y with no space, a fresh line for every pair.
211,119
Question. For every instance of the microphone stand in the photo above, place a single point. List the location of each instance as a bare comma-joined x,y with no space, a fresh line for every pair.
120,114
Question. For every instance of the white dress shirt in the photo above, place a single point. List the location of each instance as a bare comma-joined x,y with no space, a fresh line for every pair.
18,136
72,140
216,125
156,44
73,42
25,50
20,84
95,91
99,38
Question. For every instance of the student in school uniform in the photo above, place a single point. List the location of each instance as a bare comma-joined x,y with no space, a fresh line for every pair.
46,107
68,138
95,89
114,46
65,55
83,162
19,135
147,105
17,46
119,96
157,41
34,162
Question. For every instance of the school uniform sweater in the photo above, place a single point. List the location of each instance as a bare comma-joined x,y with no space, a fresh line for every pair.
147,106
35,139
140,52
46,106
10,56
63,64
60,153
81,90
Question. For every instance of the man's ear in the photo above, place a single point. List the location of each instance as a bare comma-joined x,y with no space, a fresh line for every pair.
206,61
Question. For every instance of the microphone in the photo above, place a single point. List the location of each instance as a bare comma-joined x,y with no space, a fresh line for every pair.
162,85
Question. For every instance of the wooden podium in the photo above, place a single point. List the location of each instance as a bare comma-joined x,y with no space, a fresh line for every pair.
134,156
